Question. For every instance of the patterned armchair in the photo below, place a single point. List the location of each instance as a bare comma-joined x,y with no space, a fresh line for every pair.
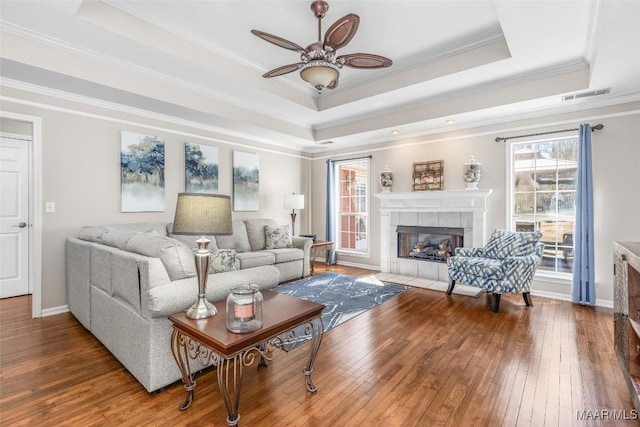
506,264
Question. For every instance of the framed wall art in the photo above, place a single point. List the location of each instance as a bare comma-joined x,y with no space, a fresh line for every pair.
246,181
141,172
428,175
200,168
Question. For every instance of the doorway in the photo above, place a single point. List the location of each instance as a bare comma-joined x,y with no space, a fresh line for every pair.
20,215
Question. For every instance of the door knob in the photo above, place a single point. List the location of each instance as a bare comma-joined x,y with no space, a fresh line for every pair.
21,225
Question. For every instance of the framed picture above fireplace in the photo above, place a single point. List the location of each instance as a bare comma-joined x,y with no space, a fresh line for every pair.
428,175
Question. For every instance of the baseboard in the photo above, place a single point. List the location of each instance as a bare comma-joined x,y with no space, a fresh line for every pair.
357,265
54,310
565,297
545,294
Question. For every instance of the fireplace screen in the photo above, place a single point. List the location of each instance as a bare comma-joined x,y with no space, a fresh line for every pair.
428,243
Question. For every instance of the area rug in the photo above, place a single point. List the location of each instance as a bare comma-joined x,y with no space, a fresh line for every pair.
344,297
433,285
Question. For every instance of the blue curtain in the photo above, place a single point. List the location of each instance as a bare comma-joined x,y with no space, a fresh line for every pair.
584,287
331,214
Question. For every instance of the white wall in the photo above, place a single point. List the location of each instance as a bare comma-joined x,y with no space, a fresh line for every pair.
616,154
81,174
81,149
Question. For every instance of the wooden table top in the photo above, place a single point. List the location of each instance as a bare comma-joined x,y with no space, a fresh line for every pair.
280,313
318,243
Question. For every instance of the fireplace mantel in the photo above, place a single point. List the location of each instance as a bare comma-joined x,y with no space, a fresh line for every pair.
435,201
447,208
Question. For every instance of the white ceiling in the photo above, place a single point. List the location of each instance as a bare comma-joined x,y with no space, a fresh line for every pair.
474,62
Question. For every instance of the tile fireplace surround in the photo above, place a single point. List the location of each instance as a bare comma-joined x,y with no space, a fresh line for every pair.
465,209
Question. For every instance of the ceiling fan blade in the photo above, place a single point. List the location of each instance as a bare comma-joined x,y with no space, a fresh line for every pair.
283,70
278,41
364,60
342,31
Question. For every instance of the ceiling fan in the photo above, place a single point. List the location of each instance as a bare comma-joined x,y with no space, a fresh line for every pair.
319,66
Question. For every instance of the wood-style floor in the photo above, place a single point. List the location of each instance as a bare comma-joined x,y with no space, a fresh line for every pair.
420,359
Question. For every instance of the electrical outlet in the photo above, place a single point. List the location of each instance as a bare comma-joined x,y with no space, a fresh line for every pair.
50,207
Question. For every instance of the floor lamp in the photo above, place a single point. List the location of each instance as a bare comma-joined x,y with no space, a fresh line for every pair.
293,202
199,214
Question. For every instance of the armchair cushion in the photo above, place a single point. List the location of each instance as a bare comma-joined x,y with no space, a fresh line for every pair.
476,266
505,243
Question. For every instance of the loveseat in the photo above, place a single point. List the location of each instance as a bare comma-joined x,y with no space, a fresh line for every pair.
123,281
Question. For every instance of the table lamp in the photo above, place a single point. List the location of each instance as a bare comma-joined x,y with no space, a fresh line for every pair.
293,202
200,214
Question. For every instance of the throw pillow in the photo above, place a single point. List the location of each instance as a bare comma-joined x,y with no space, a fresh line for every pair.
505,243
223,260
278,237
255,232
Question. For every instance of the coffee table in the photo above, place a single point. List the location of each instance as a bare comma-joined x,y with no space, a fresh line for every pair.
285,320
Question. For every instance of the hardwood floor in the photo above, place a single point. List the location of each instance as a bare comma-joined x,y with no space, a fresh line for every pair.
420,359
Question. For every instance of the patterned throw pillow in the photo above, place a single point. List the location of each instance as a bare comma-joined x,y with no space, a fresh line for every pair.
223,260
505,243
278,237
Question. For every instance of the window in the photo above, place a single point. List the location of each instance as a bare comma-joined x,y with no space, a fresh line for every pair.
543,194
352,224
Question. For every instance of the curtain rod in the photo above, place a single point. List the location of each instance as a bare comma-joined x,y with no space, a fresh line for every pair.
596,127
353,158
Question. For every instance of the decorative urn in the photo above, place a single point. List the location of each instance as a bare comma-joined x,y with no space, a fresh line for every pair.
472,173
386,179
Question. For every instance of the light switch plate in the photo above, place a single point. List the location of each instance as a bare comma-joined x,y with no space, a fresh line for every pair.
50,207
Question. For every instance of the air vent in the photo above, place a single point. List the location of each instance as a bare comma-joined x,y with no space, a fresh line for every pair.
586,94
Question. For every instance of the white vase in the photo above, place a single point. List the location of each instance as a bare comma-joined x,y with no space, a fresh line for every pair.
386,179
472,172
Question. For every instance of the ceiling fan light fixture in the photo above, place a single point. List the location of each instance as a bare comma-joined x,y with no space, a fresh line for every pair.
318,64
319,74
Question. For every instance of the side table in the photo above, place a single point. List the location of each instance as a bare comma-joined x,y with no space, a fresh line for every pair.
320,246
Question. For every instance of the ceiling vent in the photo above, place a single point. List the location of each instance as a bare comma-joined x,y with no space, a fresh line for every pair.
586,94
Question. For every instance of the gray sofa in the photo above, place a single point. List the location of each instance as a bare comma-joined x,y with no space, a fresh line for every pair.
123,281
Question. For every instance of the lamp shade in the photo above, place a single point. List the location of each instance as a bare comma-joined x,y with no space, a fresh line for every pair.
293,201
203,214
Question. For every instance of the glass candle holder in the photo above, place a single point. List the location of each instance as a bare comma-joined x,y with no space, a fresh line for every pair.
244,309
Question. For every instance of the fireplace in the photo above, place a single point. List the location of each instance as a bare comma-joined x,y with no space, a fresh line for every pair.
434,244
464,210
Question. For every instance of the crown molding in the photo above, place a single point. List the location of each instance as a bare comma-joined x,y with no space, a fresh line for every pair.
138,112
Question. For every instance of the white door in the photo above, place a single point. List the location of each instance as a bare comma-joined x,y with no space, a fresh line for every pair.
14,217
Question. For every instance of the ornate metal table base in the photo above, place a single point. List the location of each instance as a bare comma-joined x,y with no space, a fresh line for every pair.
229,367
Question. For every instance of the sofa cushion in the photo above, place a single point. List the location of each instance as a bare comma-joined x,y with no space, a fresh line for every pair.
176,257
117,236
278,237
256,234
179,295
190,241
255,259
159,228
238,241
286,254
92,233
505,243
223,260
